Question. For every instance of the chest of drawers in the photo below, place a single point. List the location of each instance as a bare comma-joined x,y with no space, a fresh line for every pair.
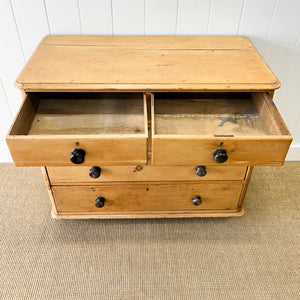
147,127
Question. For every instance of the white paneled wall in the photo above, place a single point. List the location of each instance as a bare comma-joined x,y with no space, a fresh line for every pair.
225,16
197,14
160,17
272,25
96,16
128,16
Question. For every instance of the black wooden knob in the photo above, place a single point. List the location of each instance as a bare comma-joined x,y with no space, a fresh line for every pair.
196,200
220,156
95,172
99,202
77,156
200,171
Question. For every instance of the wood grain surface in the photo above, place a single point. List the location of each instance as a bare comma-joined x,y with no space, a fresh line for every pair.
80,175
146,198
140,63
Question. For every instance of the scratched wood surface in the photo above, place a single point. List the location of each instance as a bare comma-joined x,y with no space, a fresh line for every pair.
272,26
110,115
140,63
123,174
40,145
265,142
148,198
210,114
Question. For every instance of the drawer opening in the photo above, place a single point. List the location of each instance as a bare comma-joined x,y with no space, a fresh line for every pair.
214,114
97,128
82,114
196,128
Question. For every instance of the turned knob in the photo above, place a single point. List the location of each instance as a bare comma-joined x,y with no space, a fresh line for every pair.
196,200
99,202
77,156
220,156
95,172
200,171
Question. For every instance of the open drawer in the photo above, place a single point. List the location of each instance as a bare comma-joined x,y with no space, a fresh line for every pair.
80,128
217,128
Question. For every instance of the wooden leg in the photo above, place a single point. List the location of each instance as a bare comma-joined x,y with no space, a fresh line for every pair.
48,185
244,190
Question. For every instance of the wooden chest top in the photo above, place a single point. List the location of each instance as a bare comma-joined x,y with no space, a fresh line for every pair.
146,63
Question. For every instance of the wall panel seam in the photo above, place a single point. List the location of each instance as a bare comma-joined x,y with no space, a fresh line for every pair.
297,40
47,16
79,16
112,17
18,33
241,16
6,98
46,12
177,12
144,17
209,16
272,20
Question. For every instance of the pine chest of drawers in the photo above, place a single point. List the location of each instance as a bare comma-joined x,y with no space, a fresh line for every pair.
147,127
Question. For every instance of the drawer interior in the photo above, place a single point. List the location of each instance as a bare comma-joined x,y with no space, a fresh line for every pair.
82,114
215,114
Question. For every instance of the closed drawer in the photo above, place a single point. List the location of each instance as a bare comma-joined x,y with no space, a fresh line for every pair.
71,175
244,128
147,198
110,128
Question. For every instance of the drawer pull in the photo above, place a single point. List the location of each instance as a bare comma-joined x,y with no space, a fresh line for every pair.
200,171
99,202
220,156
95,172
196,200
77,156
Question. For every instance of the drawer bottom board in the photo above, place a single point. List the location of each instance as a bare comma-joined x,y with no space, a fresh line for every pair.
149,199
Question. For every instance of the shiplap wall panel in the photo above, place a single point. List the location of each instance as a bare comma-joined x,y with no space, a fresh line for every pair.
11,55
6,119
32,23
192,17
283,35
294,152
289,103
272,25
95,16
293,85
256,21
296,135
225,16
279,51
63,16
128,17
160,17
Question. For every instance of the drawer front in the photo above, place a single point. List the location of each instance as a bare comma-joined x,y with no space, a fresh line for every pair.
219,128
239,152
147,198
67,129
57,152
71,175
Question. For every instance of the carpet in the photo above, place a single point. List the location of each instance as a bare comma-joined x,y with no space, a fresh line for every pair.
252,257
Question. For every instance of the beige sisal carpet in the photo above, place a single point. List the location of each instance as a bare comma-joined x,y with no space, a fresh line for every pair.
252,257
